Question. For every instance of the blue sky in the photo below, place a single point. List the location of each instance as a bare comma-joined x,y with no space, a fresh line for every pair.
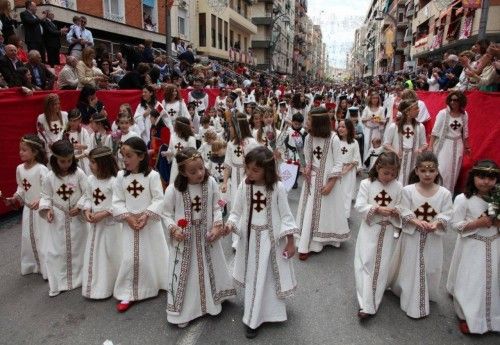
338,20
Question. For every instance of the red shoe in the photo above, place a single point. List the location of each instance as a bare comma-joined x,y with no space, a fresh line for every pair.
463,327
303,256
123,307
362,315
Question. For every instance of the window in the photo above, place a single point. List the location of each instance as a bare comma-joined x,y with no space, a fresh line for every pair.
114,10
214,25
219,33
245,47
226,26
202,29
181,26
231,38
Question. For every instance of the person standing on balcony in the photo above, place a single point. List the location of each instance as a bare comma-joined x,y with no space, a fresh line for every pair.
33,29
79,37
52,38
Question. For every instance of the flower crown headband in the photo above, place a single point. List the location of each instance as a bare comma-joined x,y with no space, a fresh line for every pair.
488,170
24,140
191,158
108,152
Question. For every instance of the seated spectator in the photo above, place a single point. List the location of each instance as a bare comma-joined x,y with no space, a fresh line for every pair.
41,77
136,80
9,63
88,104
87,74
68,77
22,55
26,78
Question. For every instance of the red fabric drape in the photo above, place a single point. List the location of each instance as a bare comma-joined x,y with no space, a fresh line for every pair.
18,116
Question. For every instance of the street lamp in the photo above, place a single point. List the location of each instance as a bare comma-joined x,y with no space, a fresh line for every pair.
379,16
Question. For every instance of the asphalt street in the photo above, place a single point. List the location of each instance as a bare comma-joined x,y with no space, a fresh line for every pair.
323,310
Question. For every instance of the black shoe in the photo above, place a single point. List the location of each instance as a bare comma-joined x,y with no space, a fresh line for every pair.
250,333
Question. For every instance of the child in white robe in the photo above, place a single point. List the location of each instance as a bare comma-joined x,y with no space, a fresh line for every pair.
373,153
265,226
29,177
351,161
65,230
406,138
474,270
125,122
321,213
183,137
51,124
450,138
425,210
216,168
79,137
100,135
103,250
206,147
138,203
240,144
377,202
198,276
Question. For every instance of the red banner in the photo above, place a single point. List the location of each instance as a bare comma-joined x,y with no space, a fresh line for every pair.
18,115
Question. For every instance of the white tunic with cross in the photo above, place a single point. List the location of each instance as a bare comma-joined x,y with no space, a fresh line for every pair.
406,145
142,272
375,243
351,159
103,250
197,270
418,257
29,187
322,218
53,131
474,274
177,144
65,237
450,133
259,265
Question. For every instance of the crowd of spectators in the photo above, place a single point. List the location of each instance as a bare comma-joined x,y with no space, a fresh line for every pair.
135,67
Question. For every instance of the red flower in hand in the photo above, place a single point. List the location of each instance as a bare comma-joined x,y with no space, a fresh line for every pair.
182,223
289,161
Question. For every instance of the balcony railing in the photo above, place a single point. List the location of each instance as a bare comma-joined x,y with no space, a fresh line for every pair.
114,17
71,4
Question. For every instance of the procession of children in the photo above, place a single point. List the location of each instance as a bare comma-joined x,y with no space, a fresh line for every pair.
129,209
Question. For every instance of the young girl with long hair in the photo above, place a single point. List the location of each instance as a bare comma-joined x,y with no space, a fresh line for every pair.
373,119
138,203
378,200
100,136
264,224
183,137
267,134
426,210
196,256
406,138
321,212
173,105
141,117
474,271
78,137
241,142
65,231
450,138
29,176
53,121
102,256
351,161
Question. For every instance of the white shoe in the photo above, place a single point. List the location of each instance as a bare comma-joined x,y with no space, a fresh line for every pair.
54,293
183,325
